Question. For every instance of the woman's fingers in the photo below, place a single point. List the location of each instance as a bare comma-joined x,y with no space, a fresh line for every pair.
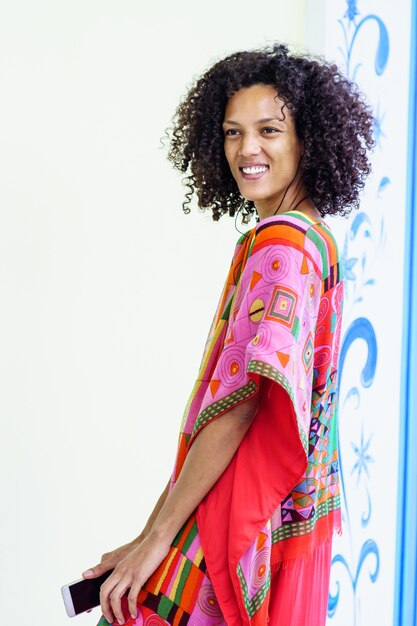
98,570
130,572
105,601
109,560
111,593
132,598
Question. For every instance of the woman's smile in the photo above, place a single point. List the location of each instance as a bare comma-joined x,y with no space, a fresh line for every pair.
253,172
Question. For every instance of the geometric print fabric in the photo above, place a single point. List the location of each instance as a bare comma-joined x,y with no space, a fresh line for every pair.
279,316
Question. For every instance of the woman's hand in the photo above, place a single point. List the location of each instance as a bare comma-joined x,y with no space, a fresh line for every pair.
132,568
109,560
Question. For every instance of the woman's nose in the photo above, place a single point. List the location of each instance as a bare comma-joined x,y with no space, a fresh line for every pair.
249,145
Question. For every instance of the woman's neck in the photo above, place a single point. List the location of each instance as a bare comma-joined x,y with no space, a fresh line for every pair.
306,206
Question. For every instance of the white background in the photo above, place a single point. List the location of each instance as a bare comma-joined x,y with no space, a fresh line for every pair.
107,289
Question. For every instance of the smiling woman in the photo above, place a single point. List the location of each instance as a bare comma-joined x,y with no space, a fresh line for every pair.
263,150
329,115
242,534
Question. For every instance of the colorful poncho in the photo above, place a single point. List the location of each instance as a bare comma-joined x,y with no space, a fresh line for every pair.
279,318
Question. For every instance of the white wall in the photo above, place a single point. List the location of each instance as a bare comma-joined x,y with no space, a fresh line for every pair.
107,289
364,571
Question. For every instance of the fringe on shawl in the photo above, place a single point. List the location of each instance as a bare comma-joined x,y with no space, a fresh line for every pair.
297,550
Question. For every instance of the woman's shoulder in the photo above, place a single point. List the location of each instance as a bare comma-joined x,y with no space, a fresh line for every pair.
294,229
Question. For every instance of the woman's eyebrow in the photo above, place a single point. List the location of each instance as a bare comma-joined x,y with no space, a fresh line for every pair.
264,120
269,119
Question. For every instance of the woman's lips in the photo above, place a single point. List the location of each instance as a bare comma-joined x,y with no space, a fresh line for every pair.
253,172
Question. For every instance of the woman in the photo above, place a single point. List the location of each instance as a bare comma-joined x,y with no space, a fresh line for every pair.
242,532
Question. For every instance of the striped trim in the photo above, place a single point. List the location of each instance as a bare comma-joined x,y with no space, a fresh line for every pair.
253,605
221,406
297,529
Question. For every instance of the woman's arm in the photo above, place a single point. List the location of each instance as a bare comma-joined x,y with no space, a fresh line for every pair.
155,512
208,457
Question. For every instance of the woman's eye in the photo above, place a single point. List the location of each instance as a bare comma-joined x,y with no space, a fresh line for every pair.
269,130
231,131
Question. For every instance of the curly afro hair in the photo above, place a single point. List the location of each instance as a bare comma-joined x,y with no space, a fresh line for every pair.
329,112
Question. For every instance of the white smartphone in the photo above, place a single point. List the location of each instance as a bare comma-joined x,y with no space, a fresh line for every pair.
83,594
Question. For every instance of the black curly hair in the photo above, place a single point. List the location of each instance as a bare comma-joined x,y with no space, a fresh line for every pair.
329,112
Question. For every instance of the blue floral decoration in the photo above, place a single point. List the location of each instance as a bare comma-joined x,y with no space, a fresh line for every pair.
363,243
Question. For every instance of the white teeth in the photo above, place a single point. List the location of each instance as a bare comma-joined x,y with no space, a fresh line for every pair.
257,169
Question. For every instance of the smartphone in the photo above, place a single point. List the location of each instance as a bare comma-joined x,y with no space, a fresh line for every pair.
83,594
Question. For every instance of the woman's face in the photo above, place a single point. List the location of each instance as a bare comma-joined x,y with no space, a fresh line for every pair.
261,148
